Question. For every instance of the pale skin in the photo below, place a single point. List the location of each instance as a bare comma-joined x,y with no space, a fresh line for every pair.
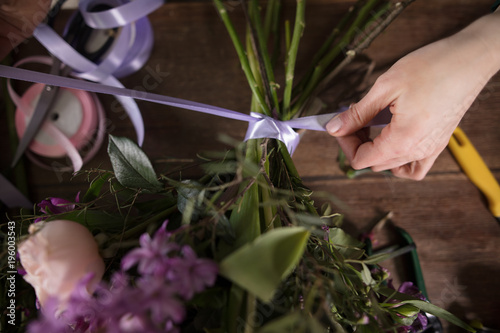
428,92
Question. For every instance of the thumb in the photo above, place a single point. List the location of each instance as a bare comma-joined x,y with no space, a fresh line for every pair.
358,115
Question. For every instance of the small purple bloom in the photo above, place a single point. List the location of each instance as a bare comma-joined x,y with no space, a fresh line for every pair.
160,300
420,323
191,274
326,229
409,288
152,255
56,206
48,321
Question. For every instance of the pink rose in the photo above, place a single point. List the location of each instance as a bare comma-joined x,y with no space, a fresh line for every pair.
56,256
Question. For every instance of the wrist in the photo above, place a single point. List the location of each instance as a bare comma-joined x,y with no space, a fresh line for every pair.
483,39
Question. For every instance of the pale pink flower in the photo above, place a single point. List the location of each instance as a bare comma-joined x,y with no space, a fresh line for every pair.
56,256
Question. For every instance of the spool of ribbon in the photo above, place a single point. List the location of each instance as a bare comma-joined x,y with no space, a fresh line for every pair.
130,50
260,126
76,122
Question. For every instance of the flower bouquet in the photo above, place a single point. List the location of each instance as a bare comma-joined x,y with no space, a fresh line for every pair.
241,249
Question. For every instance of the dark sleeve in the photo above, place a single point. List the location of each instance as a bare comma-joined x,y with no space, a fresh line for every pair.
495,6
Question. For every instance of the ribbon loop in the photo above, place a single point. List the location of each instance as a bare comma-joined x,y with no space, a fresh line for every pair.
118,16
263,126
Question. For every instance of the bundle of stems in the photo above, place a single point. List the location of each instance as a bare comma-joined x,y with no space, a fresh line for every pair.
259,53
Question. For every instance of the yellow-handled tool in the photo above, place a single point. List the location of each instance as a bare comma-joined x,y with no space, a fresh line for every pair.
474,167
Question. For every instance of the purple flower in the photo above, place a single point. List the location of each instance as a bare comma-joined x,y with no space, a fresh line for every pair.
48,321
326,229
409,288
420,323
56,206
160,300
152,255
191,274
161,258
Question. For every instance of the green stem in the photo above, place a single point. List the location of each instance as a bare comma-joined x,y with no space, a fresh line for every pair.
292,57
263,54
324,48
242,56
389,13
287,159
250,312
254,67
275,30
318,73
271,7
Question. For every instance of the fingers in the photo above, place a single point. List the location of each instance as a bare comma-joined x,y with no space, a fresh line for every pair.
415,170
361,113
387,152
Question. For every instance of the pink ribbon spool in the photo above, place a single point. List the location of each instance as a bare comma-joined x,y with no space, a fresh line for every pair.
73,113
75,122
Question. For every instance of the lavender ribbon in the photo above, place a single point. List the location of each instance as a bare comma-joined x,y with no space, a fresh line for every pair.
118,16
260,126
130,51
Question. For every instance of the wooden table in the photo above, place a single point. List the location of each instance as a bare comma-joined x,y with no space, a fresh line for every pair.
457,237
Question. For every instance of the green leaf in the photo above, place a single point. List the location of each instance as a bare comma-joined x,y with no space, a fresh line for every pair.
350,247
439,312
424,306
260,266
366,275
245,219
190,200
131,165
407,310
95,187
376,258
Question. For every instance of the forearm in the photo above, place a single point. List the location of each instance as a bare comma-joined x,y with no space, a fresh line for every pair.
482,40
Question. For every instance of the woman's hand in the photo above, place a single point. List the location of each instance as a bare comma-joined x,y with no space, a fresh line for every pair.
428,92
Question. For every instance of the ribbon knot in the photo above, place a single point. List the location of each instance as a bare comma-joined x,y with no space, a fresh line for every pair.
262,126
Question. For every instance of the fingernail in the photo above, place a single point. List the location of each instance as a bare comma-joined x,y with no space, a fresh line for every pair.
334,125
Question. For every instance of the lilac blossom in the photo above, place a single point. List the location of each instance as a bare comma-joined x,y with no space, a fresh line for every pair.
153,302
152,255
159,257
191,274
48,321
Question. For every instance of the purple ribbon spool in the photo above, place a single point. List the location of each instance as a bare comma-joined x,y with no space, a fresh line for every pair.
128,54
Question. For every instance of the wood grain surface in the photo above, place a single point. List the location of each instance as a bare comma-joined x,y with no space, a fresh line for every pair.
457,237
